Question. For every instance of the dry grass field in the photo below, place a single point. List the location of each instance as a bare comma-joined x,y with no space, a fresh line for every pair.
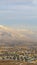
10,62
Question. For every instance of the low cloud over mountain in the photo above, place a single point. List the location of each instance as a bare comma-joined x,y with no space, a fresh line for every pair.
10,36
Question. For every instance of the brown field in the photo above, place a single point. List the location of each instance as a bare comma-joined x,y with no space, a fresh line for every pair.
10,62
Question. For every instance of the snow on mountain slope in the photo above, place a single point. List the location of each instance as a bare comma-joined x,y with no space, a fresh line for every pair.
10,36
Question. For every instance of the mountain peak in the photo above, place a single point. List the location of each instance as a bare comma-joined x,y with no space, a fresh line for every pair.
1,26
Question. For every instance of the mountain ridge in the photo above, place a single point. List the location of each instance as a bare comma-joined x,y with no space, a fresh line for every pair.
10,36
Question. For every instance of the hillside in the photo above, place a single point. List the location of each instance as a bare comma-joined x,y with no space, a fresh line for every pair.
10,36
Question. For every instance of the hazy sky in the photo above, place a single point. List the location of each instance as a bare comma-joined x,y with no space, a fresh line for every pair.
19,13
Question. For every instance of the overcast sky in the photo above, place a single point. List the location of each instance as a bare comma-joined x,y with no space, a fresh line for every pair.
19,13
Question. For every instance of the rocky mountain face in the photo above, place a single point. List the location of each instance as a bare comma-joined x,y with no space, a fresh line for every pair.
10,36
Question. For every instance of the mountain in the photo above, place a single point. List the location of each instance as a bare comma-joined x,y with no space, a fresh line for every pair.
10,36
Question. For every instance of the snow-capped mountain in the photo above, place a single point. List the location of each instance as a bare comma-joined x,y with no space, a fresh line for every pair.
10,36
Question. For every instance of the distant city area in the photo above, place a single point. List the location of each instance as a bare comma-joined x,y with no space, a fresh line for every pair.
17,53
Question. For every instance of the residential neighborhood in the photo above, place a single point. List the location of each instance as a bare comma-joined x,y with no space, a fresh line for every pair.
19,54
